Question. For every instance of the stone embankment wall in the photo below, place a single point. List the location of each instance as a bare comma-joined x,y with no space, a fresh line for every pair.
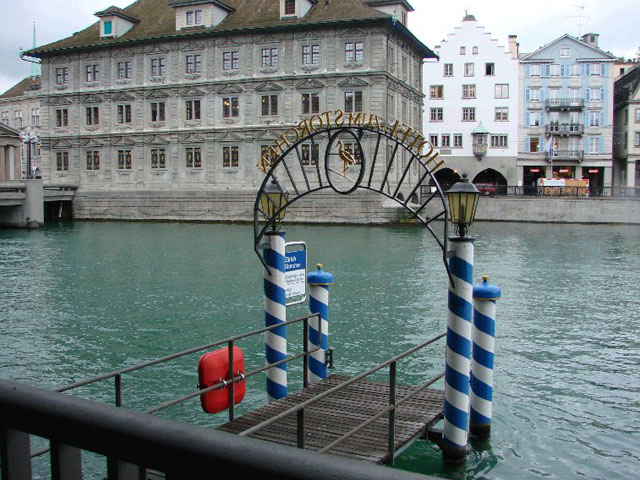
328,207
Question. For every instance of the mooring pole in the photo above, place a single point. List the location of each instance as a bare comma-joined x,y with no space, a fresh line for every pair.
275,312
319,282
485,296
458,351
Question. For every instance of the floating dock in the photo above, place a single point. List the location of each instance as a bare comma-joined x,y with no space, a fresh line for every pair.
335,415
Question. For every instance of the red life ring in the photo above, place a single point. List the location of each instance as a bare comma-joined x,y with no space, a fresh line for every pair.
213,368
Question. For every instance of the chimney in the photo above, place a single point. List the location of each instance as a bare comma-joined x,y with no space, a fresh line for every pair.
590,39
514,46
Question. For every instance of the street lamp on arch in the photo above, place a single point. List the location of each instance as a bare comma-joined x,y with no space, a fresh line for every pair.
463,200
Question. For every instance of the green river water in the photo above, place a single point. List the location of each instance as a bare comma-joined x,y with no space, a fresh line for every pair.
84,298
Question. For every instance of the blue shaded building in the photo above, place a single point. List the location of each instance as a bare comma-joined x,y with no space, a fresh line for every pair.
566,114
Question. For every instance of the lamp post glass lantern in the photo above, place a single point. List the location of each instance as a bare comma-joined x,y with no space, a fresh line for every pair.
463,201
272,202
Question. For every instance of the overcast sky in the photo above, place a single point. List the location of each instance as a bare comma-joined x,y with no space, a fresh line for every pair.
535,24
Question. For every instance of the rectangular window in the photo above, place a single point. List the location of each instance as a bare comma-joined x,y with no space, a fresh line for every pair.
436,114
534,95
446,140
595,94
157,111
489,69
124,70
533,144
310,103
637,115
310,54
269,105
5,118
469,91
353,101
230,156
502,114
198,15
194,17
194,63
474,50
62,75
436,92
93,160
193,109
463,51
35,117
499,141
108,27
158,158
124,113
62,161
468,70
269,57
637,139
231,60
62,117
124,159
457,140
289,7
18,122
158,67
534,70
555,70
354,52
230,107
92,73
433,139
469,114
595,69
190,18
501,90
448,69
193,156
310,154
575,70
594,118
93,115
534,118
565,52
354,151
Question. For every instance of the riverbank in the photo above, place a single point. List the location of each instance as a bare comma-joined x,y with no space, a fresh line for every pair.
362,208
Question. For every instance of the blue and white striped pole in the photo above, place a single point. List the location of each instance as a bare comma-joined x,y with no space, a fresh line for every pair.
484,331
456,388
275,312
319,282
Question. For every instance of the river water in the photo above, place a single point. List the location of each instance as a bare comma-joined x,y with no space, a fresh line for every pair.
84,298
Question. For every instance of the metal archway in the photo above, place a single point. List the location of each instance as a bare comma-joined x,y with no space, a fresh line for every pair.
295,163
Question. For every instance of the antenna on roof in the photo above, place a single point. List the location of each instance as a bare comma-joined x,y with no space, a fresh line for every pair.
582,18
35,67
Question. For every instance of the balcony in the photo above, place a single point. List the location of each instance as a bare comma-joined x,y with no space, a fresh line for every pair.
566,155
565,104
563,129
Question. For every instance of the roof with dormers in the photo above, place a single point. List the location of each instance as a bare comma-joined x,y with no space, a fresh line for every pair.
157,21
118,12
20,88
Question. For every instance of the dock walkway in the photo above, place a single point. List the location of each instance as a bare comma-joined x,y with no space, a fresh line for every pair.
337,414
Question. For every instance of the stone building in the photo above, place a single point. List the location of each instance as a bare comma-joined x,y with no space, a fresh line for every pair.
472,106
566,118
170,96
627,130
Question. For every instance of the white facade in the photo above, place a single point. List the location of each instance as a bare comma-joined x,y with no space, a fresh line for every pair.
475,82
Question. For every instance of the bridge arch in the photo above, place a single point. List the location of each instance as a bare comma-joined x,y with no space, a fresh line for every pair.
346,152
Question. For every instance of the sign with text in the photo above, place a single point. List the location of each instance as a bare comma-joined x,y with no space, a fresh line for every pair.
295,271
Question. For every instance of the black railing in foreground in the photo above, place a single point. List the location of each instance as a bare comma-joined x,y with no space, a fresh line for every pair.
179,450
391,409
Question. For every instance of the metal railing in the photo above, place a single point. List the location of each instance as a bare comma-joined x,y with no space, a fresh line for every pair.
632,193
565,103
566,154
179,450
564,129
394,403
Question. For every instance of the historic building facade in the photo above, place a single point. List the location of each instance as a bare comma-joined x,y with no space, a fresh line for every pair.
627,129
186,95
472,106
566,118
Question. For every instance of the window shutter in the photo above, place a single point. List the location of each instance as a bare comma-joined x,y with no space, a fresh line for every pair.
541,118
547,70
526,119
542,94
586,119
602,124
602,94
601,144
527,145
603,70
527,69
527,93
583,69
586,94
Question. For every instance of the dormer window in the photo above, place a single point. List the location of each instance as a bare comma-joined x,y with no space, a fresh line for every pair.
289,7
114,22
200,13
194,17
